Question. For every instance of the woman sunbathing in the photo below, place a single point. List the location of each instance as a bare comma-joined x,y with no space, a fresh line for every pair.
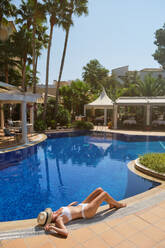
87,209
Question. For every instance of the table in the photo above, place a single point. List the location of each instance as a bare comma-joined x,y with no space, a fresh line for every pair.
19,128
158,122
129,122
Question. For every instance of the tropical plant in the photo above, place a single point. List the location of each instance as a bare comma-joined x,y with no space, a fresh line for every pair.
159,54
161,81
66,96
74,7
95,74
75,96
130,77
83,125
30,17
149,86
39,125
23,49
7,9
63,116
111,81
55,9
114,93
7,57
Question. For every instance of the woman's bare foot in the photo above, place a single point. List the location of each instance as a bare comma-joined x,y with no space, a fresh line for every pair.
119,205
111,206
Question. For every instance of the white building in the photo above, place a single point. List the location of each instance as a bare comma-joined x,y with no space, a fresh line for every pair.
121,72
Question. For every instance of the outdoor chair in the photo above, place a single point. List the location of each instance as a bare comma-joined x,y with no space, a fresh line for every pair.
8,133
10,123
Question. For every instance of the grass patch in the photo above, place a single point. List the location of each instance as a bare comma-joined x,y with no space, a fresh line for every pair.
154,161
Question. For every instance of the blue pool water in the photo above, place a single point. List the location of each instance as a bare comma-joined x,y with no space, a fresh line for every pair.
61,170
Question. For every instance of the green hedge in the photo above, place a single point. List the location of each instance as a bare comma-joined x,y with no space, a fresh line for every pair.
40,125
83,125
154,161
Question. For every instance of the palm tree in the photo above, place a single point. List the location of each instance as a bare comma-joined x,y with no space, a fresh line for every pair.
6,10
55,9
38,18
149,86
30,17
78,8
23,48
7,57
23,36
42,40
75,96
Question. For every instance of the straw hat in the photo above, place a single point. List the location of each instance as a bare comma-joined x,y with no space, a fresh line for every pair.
45,217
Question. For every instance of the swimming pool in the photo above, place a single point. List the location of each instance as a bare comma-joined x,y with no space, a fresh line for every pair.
65,169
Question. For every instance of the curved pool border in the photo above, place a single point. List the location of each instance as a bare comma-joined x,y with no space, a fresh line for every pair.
148,171
37,139
31,224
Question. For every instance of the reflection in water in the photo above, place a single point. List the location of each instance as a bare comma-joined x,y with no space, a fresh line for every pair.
47,169
67,169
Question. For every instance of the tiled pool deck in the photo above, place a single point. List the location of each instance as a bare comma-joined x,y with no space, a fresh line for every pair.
141,224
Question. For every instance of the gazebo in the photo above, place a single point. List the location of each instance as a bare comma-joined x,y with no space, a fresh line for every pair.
102,102
9,94
147,102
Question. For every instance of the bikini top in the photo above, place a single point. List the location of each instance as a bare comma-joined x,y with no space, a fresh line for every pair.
66,212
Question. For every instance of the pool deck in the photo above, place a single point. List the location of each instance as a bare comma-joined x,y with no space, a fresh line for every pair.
140,225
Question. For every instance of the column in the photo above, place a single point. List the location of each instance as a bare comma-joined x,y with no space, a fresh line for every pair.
2,116
24,122
84,110
148,114
115,107
105,117
93,112
31,117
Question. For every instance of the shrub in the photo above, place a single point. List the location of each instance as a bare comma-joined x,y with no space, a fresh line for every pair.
39,125
53,124
83,125
154,161
63,116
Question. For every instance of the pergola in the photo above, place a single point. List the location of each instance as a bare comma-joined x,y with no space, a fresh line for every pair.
102,102
147,102
11,95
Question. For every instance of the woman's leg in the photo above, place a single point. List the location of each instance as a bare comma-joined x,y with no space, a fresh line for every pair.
92,207
93,195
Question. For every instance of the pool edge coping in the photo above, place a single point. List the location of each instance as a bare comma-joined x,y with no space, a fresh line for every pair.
41,138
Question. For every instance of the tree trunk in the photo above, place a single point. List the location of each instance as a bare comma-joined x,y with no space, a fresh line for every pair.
47,72
61,70
6,74
33,47
24,73
34,58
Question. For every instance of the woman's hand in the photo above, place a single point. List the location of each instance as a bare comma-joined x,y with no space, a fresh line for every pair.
47,227
60,230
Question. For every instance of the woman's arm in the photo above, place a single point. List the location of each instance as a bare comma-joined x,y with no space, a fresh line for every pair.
62,231
73,203
59,228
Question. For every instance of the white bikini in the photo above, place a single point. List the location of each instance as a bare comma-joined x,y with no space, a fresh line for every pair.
67,213
83,206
